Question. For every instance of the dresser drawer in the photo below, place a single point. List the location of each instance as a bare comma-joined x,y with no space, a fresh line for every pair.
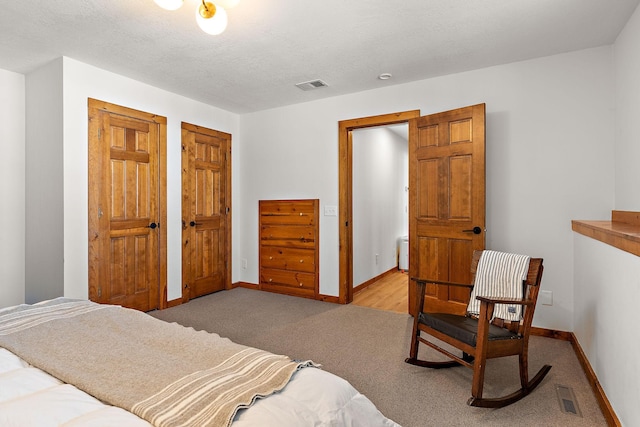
293,279
292,259
301,212
280,219
299,236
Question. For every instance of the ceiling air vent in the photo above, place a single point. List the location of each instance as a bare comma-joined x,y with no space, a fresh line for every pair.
310,85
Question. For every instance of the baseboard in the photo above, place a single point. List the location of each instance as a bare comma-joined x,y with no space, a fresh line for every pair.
178,301
329,298
320,297
174,302
374,279
550,333
604,404
246,285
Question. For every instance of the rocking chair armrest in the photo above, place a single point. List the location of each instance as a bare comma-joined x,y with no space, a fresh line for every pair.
505,300
441,282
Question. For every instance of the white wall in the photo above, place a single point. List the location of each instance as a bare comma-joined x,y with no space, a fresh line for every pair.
12,188
59,92
44,254
380,176
607,280
82,81
550,128
57,196
607,295
627,65
549,159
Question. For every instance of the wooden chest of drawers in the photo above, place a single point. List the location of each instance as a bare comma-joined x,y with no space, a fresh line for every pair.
289,246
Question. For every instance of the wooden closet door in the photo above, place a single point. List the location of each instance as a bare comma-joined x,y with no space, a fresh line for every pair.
205,210
125,242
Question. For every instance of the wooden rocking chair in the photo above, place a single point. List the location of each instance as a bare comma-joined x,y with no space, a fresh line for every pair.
483,337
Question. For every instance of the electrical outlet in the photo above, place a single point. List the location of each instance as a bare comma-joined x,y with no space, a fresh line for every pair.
546,297
244,264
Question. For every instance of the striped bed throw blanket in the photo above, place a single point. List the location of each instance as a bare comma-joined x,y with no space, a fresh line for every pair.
165,373
500,274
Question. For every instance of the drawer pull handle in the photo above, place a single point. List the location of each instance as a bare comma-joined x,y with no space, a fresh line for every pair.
300,213
270,257
300,284
271,280
301,261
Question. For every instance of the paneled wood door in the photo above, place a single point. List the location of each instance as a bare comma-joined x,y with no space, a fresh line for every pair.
127,219
206,204
446,202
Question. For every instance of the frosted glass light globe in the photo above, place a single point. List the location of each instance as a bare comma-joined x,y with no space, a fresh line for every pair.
169,4
214,25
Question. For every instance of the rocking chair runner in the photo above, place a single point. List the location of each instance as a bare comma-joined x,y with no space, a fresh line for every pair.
483,337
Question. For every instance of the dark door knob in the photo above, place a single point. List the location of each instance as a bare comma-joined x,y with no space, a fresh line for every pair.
152,225
193,223
474,230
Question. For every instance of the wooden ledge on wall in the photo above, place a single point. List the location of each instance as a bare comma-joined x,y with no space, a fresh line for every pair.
622,232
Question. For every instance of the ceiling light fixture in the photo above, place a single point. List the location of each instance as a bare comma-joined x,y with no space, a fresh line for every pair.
385,76
211,16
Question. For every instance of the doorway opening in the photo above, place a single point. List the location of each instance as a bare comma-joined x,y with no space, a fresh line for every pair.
346,207
380,216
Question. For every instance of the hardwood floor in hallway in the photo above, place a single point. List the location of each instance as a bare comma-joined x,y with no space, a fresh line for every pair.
390,293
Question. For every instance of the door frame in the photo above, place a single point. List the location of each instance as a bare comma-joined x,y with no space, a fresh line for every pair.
345,191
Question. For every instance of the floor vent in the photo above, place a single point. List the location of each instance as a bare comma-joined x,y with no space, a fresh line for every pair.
567,399
310,85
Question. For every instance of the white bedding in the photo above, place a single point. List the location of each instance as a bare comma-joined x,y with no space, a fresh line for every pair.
30,397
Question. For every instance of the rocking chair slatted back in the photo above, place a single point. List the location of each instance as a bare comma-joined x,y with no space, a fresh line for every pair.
531,289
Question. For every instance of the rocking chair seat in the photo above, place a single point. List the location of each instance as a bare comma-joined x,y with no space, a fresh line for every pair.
463,328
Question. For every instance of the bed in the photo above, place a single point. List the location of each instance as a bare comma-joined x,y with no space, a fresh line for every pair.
77,363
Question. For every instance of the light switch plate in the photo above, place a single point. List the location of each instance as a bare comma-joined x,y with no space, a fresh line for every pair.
330,211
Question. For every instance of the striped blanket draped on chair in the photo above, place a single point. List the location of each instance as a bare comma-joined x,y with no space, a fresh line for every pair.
500,274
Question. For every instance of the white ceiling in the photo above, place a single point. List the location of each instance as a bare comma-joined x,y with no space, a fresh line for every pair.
269,46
